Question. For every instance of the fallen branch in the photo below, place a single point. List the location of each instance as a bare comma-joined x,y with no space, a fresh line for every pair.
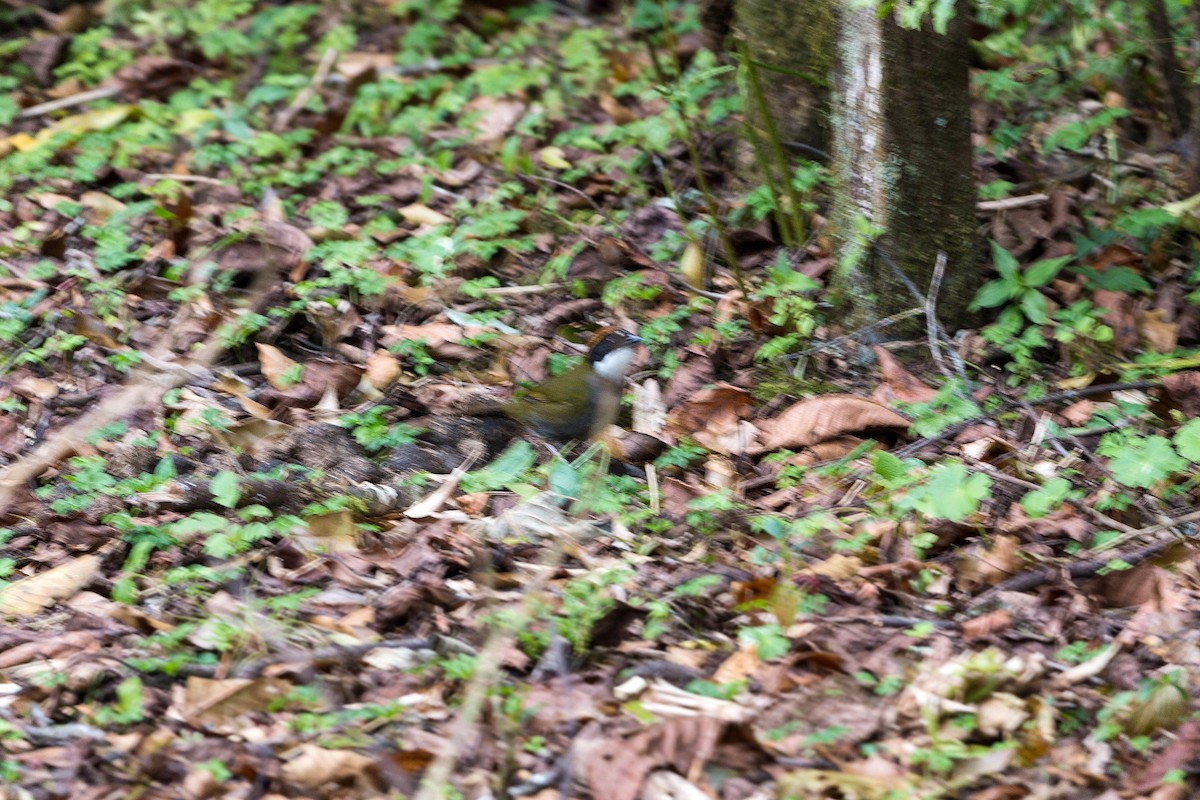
1089,568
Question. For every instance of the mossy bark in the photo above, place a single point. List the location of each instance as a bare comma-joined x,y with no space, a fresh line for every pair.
893,107
791,45
902,160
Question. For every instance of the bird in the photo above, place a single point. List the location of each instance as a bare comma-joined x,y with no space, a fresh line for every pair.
582,402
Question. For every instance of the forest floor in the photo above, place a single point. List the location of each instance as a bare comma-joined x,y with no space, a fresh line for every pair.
249,249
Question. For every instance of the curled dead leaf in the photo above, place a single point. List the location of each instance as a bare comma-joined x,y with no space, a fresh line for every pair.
421,214
494,117
442,339
818,419
696,413
315,766
898,384
383,369
30,595
279,370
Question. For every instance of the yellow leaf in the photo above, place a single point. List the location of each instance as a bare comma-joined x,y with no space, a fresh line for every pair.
23,142
101,119
692,266
553,157
192,120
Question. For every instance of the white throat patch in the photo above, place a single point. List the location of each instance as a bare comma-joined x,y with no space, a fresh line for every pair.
614,365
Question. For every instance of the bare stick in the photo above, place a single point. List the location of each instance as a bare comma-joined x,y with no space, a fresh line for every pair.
1007,203
931,325
99,93
181,178
304,95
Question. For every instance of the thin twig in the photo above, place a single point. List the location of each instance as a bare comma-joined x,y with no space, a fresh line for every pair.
1086,569
99,93
181,178
863,331
568,187
537,288
328,59
931,324
1009,405
988,206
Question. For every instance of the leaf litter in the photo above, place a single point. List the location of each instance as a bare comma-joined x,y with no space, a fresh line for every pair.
214,590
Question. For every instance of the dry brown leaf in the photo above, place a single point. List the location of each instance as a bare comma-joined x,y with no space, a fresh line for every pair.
275,365
441,338
351,65
1182,391
322,384
723,401
649,410
1175,756
1119,316
220,703
335,532
666,785
267,244
40,651
989,624
495,117
421,214
987,566
383,369
899,385
315,766
1078,413
838,567
693,266
1162,335
1132,588
619,113
833,783
741,665
30,595
101,206
35,388
819,419
461,175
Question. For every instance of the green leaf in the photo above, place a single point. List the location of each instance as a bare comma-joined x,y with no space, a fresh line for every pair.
1116,279
769,641
888,466
1033,305
1042,272
564,479
1005,264
1187,440
1049,497
951,492
225,488
506,469
1143,462
1144,223
994,293
943,12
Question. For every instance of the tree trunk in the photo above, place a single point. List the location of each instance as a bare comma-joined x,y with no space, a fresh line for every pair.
903,166
898,116
794,64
